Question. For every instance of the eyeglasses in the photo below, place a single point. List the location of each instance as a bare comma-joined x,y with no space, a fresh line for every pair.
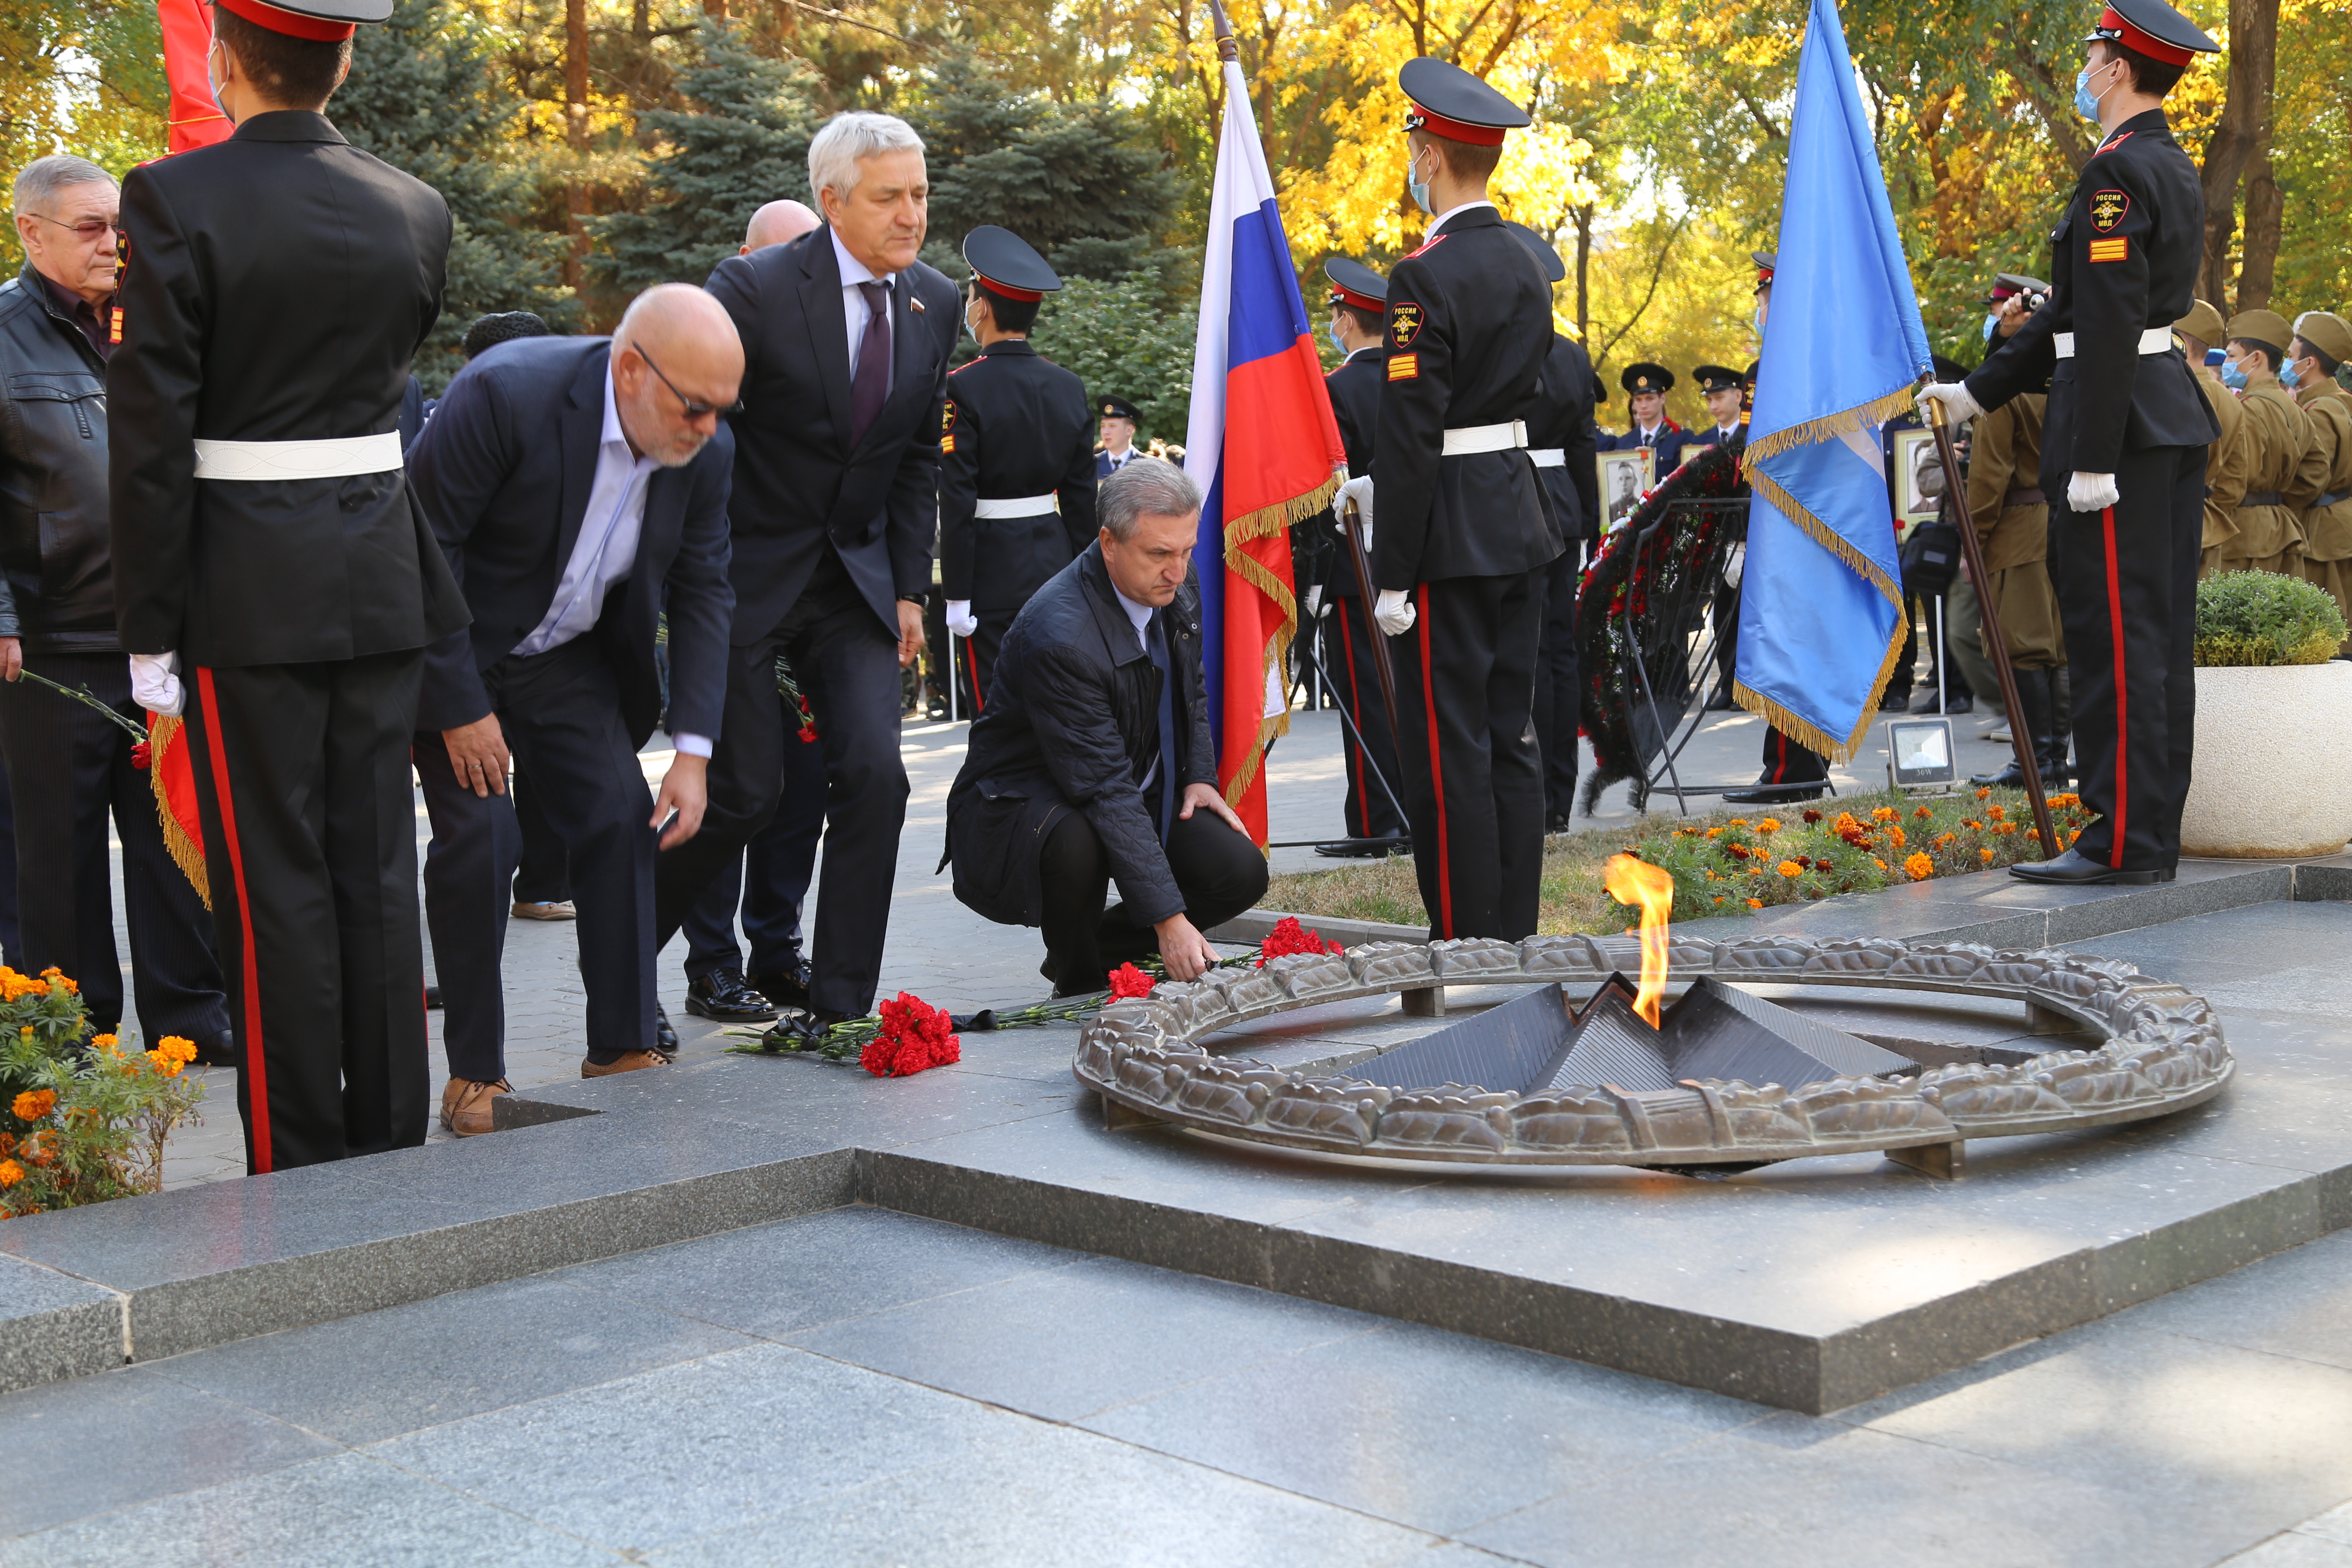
693,410
88,230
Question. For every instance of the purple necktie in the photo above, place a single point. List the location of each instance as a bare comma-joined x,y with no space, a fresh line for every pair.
869,386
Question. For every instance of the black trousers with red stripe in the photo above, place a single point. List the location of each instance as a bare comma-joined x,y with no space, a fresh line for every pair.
2127,581
976,659
1787,762
1473,780
310,848
1348,654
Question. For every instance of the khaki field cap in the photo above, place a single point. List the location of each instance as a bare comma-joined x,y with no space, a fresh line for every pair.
2325,330
2261,327
2203,322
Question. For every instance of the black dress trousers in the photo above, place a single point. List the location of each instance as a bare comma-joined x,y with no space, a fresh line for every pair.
2127,581
848,665
1349,651
1787,762
310,847
69,771
1219,872
1474,785
560,713
1559,701
771,881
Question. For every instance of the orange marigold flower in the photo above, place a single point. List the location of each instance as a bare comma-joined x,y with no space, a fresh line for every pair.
1770,825
1984,795
1811,815
34,1104
2073,836
1877,862
1922,814
1755,903
7,1142
1896,833
1985,856
1714,833
178,1048
1722,897
1884,814
1919,867
2004,829
1944,838
26,1033
11,1173
1790,868
1997,812
106,1042
1971,823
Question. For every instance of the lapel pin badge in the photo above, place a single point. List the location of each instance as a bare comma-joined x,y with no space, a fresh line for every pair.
915,303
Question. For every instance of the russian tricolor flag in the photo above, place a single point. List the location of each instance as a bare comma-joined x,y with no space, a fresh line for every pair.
1264,446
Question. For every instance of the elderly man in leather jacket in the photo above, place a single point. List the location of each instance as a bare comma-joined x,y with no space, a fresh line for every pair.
68,766
1093,762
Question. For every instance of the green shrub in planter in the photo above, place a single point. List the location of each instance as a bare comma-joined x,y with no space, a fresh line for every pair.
2264,618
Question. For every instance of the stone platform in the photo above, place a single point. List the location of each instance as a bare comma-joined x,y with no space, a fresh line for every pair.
1810,1286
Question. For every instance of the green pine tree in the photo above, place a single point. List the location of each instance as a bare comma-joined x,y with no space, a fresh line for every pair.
742,143
424,95
1123,340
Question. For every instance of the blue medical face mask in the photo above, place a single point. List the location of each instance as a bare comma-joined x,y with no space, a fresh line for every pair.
2232,375
1992,324
1419,188
2085,105
2289,377
1334,330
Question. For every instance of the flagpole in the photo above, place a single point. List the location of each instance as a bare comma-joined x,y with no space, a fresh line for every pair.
1226,48
1957,487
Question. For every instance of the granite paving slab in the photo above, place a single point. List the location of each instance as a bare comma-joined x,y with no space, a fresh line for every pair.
53,1325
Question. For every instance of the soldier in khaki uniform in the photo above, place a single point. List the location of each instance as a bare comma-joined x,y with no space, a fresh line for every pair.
2277,434
2323,485
2012,524
2225,462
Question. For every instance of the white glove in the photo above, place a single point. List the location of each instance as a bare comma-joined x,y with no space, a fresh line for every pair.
155,687
1315,603
2092,493
1959,406
1394,612
961,620
1359,491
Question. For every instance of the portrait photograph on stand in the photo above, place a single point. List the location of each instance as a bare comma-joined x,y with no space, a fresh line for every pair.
1625,477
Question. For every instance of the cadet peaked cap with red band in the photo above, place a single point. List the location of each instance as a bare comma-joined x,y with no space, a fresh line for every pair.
2005,284
2153,29
1353,283
1767,263
1449,101
1006,264
321,21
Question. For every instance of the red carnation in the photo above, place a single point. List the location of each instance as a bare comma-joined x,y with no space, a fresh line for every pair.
141,754
1288,937
1127,981
915,1037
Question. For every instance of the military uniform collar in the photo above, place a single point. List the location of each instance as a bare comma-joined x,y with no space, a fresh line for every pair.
2150,122
1003,346
288,125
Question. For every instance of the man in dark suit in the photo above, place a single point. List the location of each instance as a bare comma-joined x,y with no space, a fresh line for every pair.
1120,420
267,554
1348,649
579,488
1460,538
846,340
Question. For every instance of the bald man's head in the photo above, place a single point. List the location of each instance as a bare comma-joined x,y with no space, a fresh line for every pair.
678,363
776,224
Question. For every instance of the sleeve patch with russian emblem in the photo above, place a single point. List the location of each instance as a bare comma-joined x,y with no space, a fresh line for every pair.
1403,367
2115,249
1404,323
2109,209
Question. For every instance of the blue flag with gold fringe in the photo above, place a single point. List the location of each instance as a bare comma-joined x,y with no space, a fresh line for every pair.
1820,611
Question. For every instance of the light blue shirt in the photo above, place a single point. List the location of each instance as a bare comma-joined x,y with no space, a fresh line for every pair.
854,309
606,551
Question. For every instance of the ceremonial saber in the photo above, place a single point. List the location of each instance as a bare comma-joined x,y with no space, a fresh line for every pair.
1349,525
1957,487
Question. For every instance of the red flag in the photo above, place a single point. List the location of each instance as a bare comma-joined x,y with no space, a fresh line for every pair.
172,774
197,118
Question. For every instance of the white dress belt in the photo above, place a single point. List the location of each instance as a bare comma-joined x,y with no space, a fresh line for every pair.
330,459
1015,505
1486,438
1548,457
2154,340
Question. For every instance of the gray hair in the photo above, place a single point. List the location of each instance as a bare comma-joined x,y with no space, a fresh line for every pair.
38,182
1146,487
848,137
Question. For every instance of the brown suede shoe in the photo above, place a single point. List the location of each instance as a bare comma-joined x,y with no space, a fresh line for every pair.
629,1063
466,1105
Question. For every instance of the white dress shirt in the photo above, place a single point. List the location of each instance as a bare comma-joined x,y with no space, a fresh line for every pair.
1439,221
606,551
1120,460
853,300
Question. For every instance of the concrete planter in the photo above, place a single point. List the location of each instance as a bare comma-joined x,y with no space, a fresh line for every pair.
2272,773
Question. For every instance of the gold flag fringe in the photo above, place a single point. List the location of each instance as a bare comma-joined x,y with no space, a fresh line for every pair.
187,853
1272,520
1830,427
1827,537
1264,522
1810,735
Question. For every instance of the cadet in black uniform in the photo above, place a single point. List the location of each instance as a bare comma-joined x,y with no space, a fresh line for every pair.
1460,540
1725,391
1646,387
1121,421
2123,440
1560,442
272,574
1017,457
1359,317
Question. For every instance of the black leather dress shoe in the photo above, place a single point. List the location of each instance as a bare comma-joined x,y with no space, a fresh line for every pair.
2075,870
1355,848
218,1050
1772,794
1721,701
787,984
1895,701
432,998
723,998
664,1037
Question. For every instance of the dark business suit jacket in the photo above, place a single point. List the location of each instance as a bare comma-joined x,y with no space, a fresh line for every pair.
797,481
276,286
502,470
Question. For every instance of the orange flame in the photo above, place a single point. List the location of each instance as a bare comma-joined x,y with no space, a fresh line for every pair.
1632,881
